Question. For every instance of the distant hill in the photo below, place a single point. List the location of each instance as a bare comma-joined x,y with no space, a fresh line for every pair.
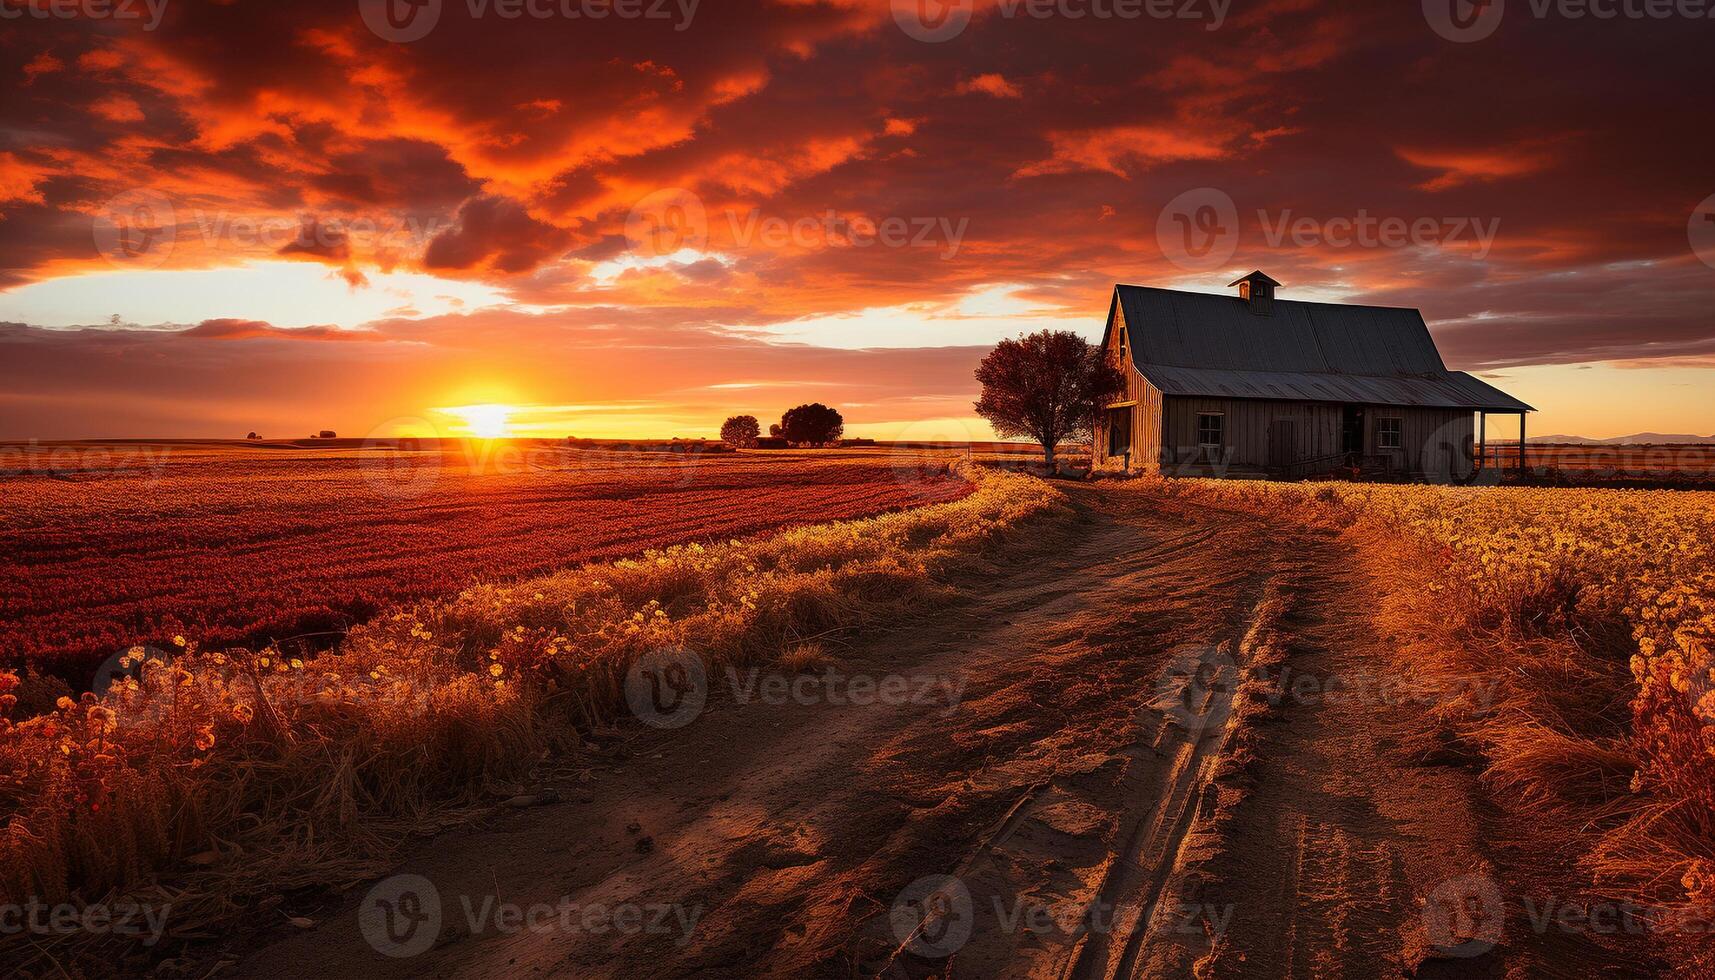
1636,439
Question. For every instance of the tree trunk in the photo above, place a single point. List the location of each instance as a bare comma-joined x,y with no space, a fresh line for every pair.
1048,454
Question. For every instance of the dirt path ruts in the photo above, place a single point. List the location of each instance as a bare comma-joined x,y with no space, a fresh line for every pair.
1063,789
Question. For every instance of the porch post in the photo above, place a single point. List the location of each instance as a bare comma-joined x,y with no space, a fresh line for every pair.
1521,418
1482,440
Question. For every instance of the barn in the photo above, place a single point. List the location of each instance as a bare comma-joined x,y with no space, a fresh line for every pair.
1251,385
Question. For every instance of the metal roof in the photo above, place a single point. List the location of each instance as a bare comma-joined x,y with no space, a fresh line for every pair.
1448,389
1203,344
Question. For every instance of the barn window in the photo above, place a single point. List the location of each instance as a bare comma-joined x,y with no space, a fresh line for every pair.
1211,428
1387,433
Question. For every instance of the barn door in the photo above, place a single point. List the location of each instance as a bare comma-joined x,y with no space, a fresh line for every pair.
1282,443
1352,429
1119,431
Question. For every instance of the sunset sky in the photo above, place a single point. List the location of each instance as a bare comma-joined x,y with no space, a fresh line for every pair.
224,216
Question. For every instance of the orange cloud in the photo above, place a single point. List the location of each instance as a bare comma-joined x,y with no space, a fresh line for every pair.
117,108
1459,168
42,64
990,84
1120,149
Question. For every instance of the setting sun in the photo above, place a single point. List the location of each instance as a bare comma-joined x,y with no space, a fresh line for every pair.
482,421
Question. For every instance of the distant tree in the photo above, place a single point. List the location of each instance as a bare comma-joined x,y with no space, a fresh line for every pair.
740,431
252,436
1047,386
814,424
327,434
774,430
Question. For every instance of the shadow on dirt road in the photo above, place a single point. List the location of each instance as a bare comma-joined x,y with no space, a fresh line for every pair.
1039,777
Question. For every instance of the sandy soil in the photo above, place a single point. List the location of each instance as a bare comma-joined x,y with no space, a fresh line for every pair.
1068,789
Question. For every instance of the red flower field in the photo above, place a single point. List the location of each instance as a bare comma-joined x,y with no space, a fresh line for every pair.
105,547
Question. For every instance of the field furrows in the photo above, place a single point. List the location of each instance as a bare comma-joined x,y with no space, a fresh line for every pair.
246,547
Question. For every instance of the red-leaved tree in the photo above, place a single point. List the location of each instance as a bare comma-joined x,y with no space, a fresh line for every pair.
1047,386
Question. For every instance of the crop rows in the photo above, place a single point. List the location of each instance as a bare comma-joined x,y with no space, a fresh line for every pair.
248,546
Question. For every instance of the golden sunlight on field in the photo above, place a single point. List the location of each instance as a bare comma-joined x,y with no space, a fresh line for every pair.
1121,667
1594,612
426,705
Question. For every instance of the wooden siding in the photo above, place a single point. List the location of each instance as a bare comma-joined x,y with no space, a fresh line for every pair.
1247,428
1145,401
1433,441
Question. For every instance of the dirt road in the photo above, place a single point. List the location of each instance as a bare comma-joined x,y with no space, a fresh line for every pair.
1049,775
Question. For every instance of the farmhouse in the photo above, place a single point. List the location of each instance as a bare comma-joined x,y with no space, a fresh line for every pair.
1249,385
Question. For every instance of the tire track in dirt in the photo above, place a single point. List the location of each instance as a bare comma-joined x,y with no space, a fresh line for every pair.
1066,779
1168,795
1336,847
793,825
1322,846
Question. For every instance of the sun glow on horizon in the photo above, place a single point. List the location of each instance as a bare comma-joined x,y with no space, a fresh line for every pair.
491,421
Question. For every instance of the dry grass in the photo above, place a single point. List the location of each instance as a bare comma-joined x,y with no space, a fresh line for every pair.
261,773
1585,621
806,658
